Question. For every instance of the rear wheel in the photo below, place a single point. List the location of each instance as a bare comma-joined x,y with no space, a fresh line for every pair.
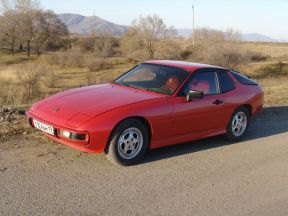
238,124
128,143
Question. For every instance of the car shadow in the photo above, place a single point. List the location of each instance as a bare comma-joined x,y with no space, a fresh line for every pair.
271,121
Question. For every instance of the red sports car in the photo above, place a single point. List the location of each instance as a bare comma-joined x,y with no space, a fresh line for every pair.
155,104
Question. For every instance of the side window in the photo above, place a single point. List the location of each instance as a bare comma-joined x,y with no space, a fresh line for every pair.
226,84
204,81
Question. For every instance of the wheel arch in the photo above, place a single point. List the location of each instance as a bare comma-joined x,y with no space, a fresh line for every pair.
142,119
248,107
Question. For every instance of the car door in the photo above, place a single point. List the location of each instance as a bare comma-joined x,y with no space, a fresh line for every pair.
199,115
227,88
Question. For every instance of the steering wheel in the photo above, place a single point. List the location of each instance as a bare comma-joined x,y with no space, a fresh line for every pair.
171,90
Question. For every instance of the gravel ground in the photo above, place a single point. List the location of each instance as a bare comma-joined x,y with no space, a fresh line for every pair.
207,177
13,121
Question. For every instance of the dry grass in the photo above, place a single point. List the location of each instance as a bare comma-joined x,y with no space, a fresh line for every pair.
275,50
276,92
71,70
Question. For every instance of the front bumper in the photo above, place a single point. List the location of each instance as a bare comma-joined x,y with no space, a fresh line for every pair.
83,145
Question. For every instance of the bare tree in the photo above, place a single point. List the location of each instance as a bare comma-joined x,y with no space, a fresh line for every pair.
233,35
9,29
151,29
6,5
46,24
26,28
26,4
26,11
131,44
104,45
218,47
23,20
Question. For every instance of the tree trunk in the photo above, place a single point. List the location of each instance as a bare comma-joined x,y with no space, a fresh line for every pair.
38,49
21,47
12,47
150,50
28,48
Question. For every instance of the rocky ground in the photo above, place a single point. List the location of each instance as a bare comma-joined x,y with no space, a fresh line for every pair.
13,121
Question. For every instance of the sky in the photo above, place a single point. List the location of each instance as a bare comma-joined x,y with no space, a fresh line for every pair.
268,17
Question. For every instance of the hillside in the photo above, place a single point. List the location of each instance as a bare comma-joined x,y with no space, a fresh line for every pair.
87,25
253,37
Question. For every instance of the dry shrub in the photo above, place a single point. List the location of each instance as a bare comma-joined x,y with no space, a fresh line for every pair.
216,47
68,59
168,49
222,54
30,75
184,54
95,64
230,57
51,79
273,70
88,44
258,56
131,45
8,93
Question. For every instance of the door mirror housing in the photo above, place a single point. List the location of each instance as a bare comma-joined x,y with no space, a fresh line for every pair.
194,94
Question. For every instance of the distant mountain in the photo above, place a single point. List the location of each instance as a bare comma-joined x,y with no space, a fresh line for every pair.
86,25
254,37
184,32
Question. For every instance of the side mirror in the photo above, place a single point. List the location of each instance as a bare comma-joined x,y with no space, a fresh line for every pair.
194,94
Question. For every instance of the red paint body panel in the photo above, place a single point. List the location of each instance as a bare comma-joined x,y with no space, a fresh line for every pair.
98,109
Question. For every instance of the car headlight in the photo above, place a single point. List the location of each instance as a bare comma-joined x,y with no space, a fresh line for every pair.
73,135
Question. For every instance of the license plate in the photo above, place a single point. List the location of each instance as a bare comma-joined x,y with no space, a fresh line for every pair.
44,127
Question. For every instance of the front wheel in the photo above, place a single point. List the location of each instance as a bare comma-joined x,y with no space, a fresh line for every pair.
238,124
128,143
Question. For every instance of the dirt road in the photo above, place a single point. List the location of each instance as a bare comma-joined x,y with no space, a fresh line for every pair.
208,177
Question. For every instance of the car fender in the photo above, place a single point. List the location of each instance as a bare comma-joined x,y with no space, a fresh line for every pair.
157,112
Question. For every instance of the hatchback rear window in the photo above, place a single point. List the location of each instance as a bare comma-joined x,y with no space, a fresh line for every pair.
243,79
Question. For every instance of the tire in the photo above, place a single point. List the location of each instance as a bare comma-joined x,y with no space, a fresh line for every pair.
236,129
128,143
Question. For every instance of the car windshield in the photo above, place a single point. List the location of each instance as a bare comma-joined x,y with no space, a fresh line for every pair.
155,78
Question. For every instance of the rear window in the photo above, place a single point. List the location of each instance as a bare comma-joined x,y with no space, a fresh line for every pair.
225,82
243,79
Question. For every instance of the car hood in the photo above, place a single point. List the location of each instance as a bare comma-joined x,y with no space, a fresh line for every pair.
74,107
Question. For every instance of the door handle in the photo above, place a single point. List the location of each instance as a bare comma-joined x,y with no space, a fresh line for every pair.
218,102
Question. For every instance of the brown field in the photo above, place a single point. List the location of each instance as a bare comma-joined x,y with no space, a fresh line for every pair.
59,71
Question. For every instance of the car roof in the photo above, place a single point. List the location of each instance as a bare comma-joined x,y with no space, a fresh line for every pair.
190,66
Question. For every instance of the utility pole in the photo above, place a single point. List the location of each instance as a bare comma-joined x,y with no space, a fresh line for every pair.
193,32
93,24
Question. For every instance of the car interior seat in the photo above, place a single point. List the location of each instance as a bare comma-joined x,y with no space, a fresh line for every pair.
201,85
172,82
